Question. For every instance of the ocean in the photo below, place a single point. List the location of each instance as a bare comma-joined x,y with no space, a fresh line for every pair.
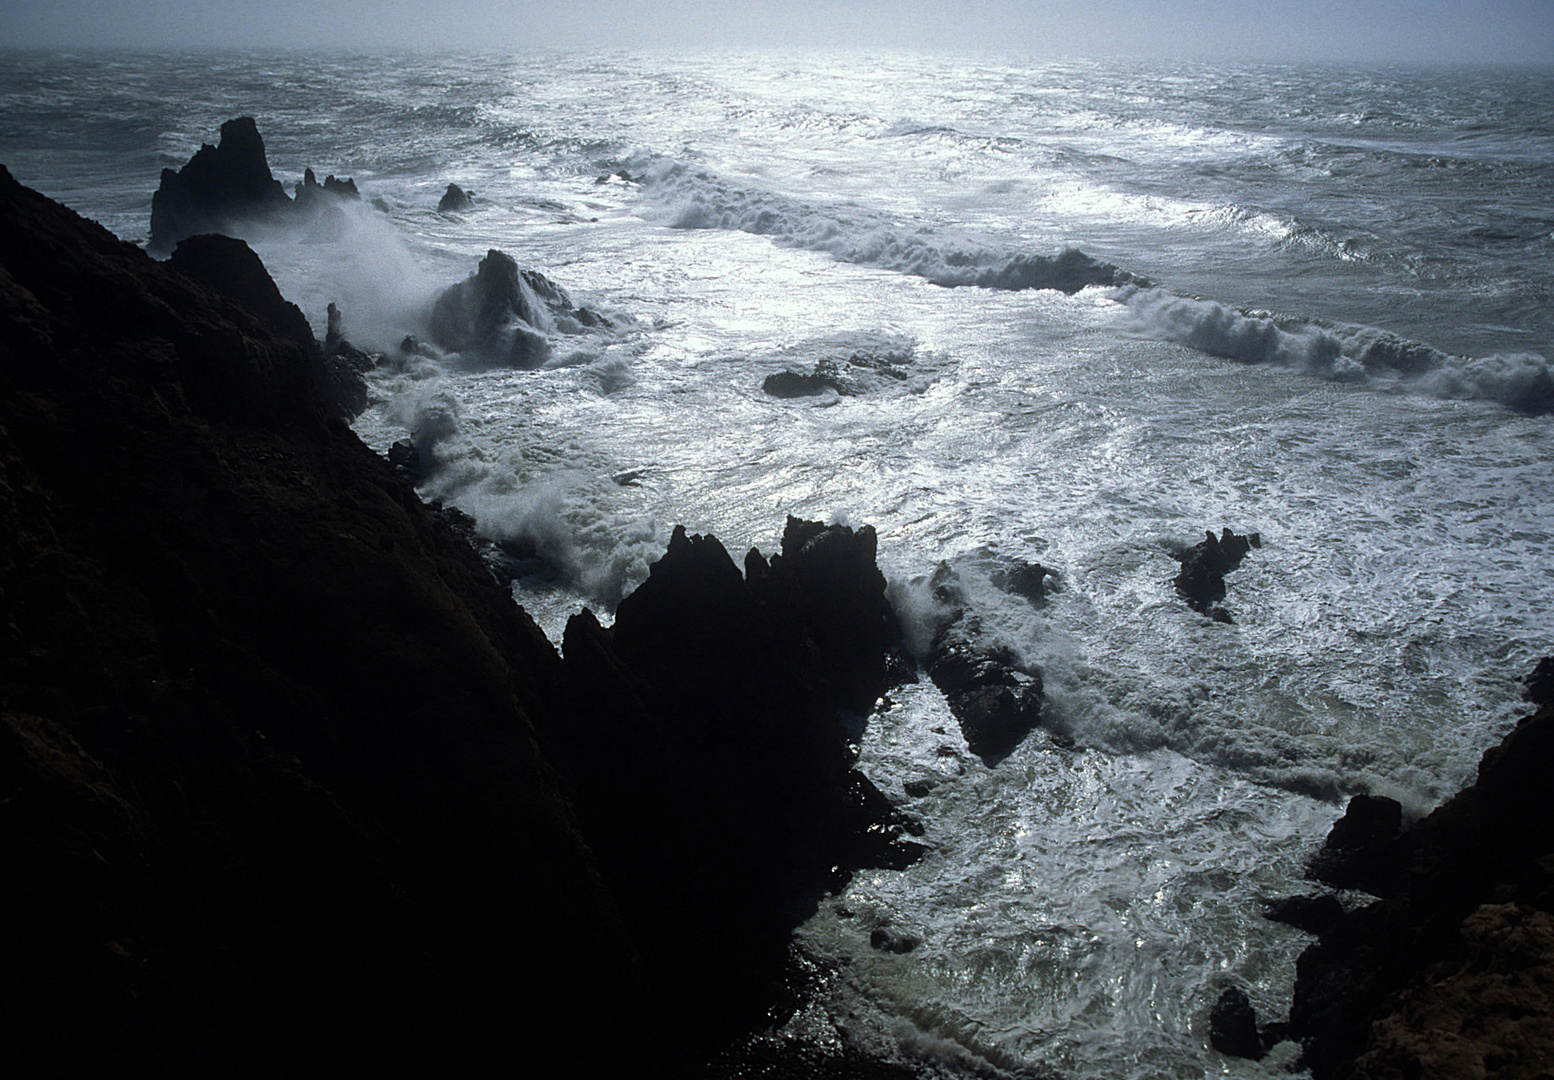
1326,318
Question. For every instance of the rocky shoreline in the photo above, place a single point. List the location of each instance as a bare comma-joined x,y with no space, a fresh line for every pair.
289,783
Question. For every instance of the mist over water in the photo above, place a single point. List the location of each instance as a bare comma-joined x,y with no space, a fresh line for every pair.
1083,312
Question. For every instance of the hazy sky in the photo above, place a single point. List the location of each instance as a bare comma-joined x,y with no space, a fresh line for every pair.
1441,31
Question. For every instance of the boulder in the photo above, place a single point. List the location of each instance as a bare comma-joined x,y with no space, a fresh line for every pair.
454,200
1027,579
1233,1026
1358,852
1201,581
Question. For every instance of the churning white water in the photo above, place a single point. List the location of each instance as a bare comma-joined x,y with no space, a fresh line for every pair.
1087,312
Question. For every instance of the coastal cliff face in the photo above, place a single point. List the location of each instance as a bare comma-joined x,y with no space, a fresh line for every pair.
270,785
1451,973
289,783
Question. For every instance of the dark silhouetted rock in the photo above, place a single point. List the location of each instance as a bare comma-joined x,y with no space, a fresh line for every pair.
1201,581
1313,914
271,792
1025,579
995,696
731,780
230,266
219,186
1452,972
891,941
228,187
1233,1026
503,314
1358,852
792,384
454,200
1540,683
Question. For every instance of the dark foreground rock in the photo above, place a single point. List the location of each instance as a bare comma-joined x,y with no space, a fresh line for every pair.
1451,973
271,792
721,692
228,187
503,314
1233,1026
1201,581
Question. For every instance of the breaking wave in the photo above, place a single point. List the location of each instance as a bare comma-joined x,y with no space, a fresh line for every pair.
1342,353
683,197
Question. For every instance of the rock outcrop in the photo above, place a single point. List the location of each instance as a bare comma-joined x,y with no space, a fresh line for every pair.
1201,581
1451,973
272,794
454,200
994,695
730,803
504,315
227,188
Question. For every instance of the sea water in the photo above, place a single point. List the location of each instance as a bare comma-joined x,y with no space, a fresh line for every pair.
1330,325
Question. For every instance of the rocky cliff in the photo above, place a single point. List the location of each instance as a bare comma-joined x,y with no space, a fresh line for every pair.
1451,972
289,784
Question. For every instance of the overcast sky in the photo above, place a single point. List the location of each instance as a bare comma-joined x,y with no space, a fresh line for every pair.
1410,31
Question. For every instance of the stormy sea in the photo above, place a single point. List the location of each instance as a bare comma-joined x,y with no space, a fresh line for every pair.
1058,314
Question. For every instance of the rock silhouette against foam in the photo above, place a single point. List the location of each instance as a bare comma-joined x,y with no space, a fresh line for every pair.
228,187
269,731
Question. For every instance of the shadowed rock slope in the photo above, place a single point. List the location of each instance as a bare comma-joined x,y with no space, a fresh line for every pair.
1451,973
268,786
289,784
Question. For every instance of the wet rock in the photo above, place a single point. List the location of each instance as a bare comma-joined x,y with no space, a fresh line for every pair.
825,377
1027,579
454,200
1201,581
1312,914
1444,975
503,314
1233,1026
404,456
1358,852
1540,683
994,695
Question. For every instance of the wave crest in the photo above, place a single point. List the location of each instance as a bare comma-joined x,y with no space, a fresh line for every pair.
1360,354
